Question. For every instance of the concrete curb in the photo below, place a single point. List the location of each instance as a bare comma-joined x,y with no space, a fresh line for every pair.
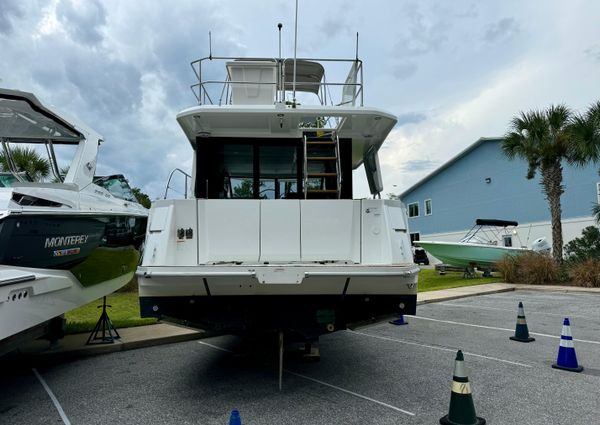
463,295
131,339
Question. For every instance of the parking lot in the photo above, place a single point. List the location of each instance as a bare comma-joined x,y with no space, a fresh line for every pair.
380,374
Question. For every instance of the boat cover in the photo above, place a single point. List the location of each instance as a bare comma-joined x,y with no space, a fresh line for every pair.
494,222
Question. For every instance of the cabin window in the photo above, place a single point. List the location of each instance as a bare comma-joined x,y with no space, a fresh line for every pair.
256,168
235,170
248,168
427,206
413,209
507,240
414,237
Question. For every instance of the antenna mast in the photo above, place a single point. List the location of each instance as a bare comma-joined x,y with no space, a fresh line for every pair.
295,49
209,45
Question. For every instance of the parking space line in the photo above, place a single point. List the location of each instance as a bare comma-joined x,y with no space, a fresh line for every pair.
216,347
435,347
364,397
498,329
529,311
61,412
381,403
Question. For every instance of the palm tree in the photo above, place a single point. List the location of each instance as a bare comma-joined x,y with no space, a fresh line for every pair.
586,134
544,140
27,160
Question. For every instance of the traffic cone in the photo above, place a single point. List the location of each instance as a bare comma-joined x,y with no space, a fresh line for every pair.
399,321
567,359
235,419
462,410
521,331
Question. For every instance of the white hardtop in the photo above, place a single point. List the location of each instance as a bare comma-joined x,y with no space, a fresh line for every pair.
26,119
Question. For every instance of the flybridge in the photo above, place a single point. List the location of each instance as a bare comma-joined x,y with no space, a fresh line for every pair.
267,81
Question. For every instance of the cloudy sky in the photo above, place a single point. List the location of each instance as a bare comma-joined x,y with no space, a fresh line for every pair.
452,71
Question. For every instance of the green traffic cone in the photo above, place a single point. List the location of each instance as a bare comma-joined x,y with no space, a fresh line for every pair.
521,331
462,409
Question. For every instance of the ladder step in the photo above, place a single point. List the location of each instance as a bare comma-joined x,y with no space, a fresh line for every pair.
320,142
322,174
321,158
322,190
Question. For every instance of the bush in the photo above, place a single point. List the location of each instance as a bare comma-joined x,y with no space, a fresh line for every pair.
587,273
585,247
530,268
507,267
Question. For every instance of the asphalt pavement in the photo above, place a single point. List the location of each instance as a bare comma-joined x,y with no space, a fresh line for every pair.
379,374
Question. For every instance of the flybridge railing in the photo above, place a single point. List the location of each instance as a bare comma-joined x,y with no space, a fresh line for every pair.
284,83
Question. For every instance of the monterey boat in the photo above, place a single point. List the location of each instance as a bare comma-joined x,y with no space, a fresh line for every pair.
272,238
62,244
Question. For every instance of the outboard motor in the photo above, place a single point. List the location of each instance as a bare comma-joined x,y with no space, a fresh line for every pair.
541,246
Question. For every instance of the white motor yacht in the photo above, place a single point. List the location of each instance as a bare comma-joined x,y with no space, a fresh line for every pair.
62,244
272,238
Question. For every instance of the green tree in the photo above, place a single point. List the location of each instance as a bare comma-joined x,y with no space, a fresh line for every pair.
585,247
141,197
586,133
544,139
27,160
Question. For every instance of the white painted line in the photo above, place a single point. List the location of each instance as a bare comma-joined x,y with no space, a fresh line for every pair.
215,347
61,412
497,329
435,347
381,403
324,383
528,312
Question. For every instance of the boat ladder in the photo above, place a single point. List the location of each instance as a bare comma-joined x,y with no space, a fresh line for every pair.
322,167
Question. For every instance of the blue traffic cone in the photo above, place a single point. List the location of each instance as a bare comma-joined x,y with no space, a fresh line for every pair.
521,331
399,321
235,419
567,359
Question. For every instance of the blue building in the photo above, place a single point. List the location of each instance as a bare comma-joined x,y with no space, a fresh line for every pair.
480,182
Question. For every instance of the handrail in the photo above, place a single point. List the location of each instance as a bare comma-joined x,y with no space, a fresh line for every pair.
202,95
171,176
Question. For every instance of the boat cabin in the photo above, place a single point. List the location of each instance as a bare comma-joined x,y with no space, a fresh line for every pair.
278,134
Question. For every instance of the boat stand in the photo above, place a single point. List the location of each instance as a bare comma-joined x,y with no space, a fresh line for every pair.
104,329
469,273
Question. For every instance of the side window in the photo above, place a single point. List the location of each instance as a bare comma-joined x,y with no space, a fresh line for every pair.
414,237
413,209
427,206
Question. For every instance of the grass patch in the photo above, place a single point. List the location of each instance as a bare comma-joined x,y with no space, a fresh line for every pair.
431,280
125,313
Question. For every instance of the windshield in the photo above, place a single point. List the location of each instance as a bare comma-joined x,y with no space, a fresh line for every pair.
9,179
117,186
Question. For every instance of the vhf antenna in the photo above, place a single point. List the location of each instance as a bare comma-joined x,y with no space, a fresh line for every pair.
279,25
295,50
209,45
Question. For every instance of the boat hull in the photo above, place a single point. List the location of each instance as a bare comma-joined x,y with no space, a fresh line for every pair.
467,254
309,300
54,263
